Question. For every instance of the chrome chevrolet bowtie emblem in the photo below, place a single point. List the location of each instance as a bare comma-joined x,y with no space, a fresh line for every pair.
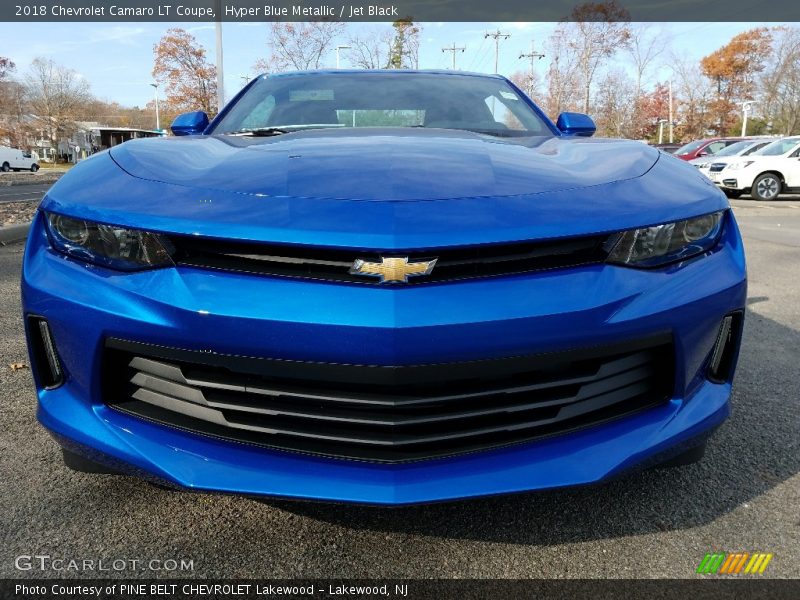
393,270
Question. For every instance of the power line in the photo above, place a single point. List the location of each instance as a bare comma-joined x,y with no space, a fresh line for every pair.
454,49
496,35
480,54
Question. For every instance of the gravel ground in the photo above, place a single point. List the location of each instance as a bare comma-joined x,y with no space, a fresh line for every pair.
27,178
17,213
743,496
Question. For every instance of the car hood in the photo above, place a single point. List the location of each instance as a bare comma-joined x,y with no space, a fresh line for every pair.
384,164
377,190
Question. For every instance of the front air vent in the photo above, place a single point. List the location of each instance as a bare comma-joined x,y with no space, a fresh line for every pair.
46,365
726,348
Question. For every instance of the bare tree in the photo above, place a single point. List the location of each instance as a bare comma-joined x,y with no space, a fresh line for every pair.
528,82
780,83
694,96
56,94
562,81
596,33
299,46
645,45
7,67
370,50
11,105
614,103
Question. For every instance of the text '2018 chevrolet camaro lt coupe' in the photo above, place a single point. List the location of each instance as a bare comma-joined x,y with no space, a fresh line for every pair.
382,287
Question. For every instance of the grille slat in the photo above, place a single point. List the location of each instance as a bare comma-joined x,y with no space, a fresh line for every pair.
333,264
174,373
382,413
317,411
375,437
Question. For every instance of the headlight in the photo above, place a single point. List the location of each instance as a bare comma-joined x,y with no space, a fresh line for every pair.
107,245
661,244
742,164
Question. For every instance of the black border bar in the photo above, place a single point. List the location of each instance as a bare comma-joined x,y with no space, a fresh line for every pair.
711,11
711,587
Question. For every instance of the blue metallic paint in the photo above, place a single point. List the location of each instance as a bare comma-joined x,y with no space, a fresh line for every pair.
99,190
191,123
581,190
571,123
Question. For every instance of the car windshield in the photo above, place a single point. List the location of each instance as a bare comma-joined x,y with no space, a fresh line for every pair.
690,147
778,147
283,103
735,149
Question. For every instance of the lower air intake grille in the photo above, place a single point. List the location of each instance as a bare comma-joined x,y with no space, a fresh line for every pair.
387,414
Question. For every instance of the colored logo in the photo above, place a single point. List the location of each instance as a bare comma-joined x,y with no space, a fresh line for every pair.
393,270
721,563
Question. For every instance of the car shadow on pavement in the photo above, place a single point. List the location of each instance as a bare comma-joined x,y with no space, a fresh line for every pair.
754,451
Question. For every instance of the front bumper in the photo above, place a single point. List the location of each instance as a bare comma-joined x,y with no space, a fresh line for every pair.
339,323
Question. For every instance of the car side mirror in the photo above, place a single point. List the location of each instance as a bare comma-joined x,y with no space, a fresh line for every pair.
571,123
703,153
190,123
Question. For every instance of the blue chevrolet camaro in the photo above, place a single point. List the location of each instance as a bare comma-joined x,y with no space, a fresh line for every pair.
384,287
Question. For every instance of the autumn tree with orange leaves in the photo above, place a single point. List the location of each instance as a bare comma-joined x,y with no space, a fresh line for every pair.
734,69
180,66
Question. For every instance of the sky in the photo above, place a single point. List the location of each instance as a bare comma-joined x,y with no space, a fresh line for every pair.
117,58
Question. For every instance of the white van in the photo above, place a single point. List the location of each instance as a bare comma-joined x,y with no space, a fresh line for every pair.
12,159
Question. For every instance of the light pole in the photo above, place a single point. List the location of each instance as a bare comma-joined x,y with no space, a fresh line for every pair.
661,130
337,53
671,117
220,61
745,112
158,119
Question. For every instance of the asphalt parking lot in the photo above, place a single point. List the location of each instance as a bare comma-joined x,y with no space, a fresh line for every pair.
22,193
743,496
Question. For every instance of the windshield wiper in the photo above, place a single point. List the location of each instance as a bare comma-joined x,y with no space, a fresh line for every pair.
279,129
259,132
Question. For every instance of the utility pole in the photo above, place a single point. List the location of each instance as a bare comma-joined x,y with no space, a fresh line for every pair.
220,73
532,55
454,49
496,35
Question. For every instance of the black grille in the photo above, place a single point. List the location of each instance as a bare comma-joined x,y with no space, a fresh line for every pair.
334,264
381,413
717,167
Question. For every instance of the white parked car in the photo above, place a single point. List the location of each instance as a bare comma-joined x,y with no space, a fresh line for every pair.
743,148
13,159
765,174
